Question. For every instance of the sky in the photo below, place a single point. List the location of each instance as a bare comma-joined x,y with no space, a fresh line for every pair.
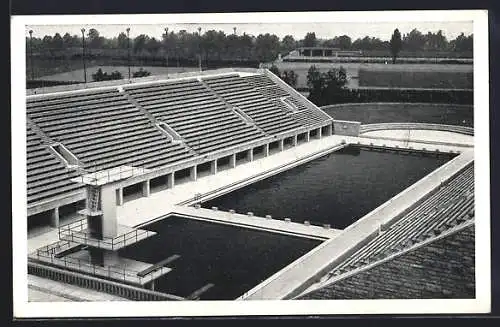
325,25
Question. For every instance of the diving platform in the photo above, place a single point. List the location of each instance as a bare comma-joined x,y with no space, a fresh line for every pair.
123,269
79,232
112,175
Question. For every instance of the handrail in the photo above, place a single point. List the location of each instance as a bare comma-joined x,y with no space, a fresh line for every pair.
127,275
75,232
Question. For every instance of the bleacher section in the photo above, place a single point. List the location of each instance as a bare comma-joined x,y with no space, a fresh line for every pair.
47,176
444,267
299,112
104,130
204,121
236,91
449,206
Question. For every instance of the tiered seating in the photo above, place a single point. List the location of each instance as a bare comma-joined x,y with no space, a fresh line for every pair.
204,121
451,205
442,268
301,113
104,130
47,176
236,91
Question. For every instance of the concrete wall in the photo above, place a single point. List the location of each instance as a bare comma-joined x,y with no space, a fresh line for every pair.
344,127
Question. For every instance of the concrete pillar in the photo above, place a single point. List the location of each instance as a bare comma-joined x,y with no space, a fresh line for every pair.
192,173
281,144
119,196
232,160
307,136
54,219
295,140
110,258
266,150
329,130
152,285
250,155
170,180
109,222
146,190
213,167
319,133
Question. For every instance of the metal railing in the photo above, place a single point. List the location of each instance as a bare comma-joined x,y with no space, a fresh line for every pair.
47,254
76,232
118,173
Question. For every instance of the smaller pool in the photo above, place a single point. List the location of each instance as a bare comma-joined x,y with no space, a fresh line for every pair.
233,259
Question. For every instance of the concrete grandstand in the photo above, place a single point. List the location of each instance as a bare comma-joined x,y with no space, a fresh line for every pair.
193,135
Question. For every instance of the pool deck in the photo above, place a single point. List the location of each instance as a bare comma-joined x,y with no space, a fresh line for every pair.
46,290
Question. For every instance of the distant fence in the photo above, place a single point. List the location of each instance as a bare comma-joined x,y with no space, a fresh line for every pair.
435,127
33,84
97,284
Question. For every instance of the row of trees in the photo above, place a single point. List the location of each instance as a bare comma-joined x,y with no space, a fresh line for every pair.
218,45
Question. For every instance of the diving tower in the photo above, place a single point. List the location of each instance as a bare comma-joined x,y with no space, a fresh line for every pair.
90,245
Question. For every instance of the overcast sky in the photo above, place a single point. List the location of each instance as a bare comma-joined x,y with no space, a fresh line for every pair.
298,30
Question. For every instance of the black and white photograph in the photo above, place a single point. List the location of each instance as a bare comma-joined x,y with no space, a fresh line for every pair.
250,164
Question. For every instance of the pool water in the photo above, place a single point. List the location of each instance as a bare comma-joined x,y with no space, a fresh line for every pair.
336,189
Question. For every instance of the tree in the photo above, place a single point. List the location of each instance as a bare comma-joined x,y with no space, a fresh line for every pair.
310,40
327,88
140,43
57,42
99,75
94,40
344,42
275,70
290,77
288,43
395,44
414,41
122,40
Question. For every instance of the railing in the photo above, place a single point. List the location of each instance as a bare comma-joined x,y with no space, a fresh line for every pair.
75,232
437,127
121,274
100,285
116,173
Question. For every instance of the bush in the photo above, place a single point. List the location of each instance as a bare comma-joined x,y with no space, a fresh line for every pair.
103,76
141,73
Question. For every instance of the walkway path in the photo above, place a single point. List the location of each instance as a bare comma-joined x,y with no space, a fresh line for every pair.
47,290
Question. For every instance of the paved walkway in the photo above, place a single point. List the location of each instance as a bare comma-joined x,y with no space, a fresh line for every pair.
424,135
261,223
47,290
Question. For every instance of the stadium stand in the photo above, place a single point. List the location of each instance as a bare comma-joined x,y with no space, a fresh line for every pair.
289,103
47,177
444,267
201,119
236,91
103,130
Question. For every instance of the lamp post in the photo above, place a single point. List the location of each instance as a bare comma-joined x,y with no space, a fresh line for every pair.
128,51
166,49
31,55
234,29
83,56
199,48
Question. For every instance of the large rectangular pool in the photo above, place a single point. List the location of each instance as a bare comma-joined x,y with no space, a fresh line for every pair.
336,189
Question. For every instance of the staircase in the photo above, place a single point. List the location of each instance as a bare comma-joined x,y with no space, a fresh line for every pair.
94,199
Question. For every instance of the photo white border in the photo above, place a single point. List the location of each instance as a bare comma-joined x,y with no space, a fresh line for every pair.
482,304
